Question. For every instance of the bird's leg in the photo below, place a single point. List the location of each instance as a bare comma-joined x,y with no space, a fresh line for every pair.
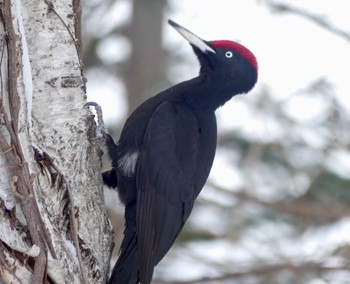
102,135
101,131
110,178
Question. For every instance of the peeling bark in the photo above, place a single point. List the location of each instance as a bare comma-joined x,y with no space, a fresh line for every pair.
53,225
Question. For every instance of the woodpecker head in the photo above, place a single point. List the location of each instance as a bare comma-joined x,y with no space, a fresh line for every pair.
227,63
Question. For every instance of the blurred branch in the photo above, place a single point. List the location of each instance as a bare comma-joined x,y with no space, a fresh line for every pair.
296,208
317,19
307,267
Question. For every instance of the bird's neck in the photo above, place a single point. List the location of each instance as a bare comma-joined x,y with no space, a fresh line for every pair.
205,95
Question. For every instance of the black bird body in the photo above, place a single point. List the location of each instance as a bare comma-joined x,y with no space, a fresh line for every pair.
165,152
176,133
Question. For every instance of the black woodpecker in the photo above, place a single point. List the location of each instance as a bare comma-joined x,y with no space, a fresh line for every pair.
165,152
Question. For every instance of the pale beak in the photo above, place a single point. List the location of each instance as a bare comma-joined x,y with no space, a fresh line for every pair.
192,38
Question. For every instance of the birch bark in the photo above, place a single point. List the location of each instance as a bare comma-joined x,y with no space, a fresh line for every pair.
53,225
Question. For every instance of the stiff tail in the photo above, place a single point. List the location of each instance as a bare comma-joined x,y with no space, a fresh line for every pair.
126,270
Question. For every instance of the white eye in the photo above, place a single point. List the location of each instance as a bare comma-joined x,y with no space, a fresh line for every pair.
228,54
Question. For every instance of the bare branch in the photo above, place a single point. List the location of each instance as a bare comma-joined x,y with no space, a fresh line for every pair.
307,267
317,19
295,208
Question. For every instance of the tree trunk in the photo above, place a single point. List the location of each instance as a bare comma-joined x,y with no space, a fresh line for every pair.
146,75
53,226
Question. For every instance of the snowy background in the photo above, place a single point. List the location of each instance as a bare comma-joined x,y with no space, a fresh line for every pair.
276,206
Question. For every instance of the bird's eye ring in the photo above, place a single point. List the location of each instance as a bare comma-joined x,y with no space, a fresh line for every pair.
229,54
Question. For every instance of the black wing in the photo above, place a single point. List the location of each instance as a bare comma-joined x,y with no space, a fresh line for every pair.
165,182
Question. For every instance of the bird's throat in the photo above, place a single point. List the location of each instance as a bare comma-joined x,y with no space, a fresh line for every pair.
205,95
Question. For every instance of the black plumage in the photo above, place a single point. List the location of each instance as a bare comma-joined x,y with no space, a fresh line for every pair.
165,152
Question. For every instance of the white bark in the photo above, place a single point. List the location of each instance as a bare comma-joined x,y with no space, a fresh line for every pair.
51,199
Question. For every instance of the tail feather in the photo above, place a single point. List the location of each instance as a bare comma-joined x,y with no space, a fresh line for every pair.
126,270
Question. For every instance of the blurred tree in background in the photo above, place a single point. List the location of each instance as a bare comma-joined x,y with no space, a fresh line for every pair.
279,211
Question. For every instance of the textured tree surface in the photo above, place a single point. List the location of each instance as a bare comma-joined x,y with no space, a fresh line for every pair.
53,223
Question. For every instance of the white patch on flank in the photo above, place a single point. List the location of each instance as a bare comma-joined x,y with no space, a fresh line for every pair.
127,163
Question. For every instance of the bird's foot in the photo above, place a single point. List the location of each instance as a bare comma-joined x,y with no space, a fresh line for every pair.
101,132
